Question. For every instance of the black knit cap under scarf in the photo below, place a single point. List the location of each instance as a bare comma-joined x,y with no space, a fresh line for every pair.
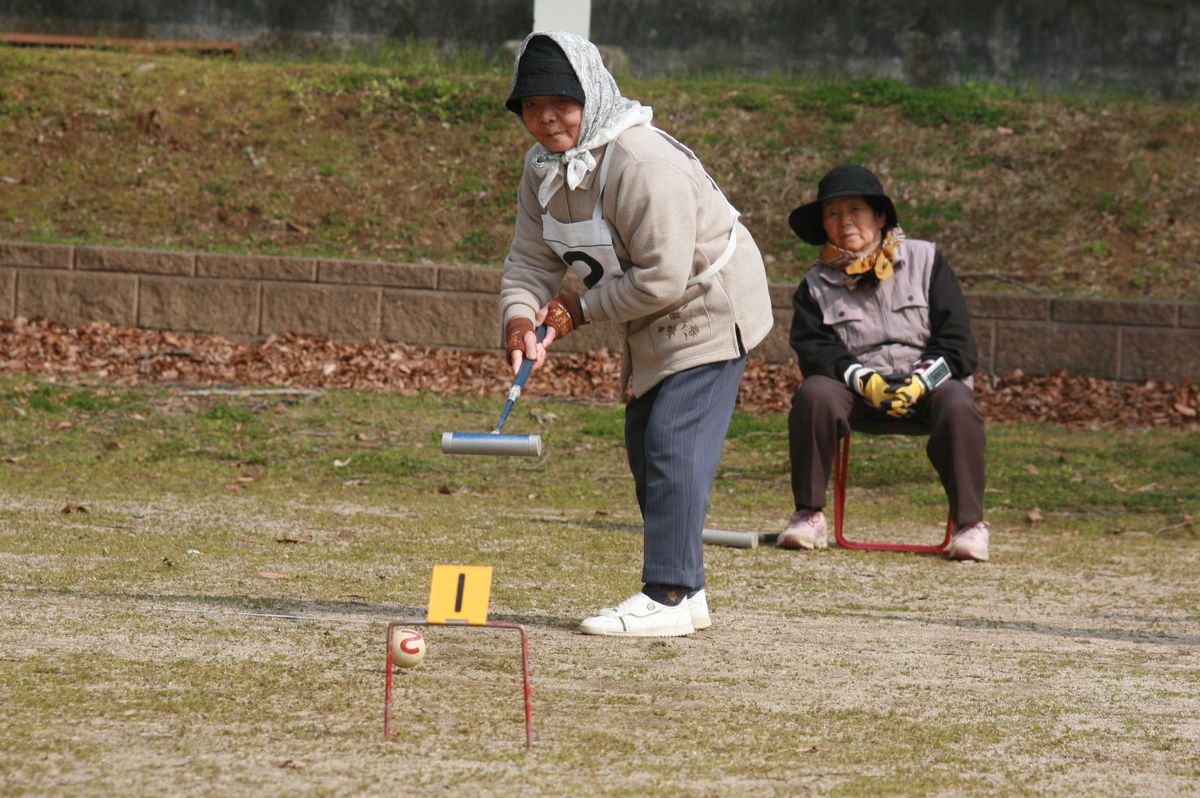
544,70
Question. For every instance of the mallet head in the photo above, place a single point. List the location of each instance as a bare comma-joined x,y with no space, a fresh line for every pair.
492,443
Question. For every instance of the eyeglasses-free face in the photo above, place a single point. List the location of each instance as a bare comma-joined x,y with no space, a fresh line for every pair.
553,120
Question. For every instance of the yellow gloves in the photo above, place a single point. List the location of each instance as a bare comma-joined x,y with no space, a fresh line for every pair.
874,389
898,399
901,401
868,384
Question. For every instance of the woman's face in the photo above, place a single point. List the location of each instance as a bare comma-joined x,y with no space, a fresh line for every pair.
853,225
553,120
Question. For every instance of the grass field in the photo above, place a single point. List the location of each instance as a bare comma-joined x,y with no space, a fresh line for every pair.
149,536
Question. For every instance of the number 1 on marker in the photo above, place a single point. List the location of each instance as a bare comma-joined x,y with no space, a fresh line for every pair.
459,593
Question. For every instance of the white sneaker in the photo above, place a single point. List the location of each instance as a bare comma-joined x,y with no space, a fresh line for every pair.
641,616
970,543
805,530
697,604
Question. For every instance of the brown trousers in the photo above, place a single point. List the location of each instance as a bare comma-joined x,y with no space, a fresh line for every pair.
823,410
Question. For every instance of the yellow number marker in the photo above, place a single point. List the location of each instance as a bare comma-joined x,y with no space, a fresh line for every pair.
459,594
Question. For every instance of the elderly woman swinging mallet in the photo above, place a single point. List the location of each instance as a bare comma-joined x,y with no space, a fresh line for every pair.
632,212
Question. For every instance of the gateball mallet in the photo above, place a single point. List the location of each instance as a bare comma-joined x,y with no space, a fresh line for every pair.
495,442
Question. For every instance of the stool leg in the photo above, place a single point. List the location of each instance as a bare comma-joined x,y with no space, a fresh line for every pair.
841,467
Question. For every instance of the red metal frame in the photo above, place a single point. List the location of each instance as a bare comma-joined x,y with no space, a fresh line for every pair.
387,696
841,469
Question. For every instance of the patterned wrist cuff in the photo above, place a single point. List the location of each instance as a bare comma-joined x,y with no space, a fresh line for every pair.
559,318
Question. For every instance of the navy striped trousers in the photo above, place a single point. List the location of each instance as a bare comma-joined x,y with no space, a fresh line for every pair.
673,436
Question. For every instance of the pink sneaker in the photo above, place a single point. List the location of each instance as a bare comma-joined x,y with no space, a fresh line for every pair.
805,530
970,543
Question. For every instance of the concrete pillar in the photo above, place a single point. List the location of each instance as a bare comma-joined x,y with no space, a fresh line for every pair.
574,16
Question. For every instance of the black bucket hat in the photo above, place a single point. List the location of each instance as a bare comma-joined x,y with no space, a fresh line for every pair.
543,70
847,180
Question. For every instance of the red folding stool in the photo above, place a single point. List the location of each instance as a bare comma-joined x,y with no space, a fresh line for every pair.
841,467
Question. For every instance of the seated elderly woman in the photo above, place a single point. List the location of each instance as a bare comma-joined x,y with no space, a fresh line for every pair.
882,331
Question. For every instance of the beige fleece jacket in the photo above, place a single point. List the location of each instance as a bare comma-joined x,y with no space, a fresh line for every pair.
668,222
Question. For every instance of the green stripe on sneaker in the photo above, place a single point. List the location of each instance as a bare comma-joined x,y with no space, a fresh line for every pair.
621,618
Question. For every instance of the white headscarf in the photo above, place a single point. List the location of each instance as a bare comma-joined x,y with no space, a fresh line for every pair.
606,115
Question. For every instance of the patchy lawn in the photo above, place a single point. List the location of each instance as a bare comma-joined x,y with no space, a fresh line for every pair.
196,587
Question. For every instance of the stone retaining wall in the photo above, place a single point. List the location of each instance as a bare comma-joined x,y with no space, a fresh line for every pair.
246,296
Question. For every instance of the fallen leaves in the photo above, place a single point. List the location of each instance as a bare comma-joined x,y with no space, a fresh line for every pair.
302,363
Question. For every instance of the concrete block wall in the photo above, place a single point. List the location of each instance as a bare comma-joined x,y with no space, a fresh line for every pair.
1128,340
246,296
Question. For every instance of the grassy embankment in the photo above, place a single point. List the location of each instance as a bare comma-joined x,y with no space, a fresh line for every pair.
410,157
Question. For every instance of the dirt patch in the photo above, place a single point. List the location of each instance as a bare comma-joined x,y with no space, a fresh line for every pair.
835,673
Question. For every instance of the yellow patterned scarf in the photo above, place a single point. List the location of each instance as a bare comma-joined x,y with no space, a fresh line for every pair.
879,264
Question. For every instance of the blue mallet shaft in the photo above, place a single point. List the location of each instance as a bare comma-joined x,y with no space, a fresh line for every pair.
515,391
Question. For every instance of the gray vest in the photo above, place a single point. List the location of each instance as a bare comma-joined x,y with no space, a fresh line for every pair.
884,326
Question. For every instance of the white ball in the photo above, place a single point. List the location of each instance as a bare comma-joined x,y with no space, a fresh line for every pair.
408,648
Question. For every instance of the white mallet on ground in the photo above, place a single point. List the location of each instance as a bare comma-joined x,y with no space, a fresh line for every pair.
738,540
